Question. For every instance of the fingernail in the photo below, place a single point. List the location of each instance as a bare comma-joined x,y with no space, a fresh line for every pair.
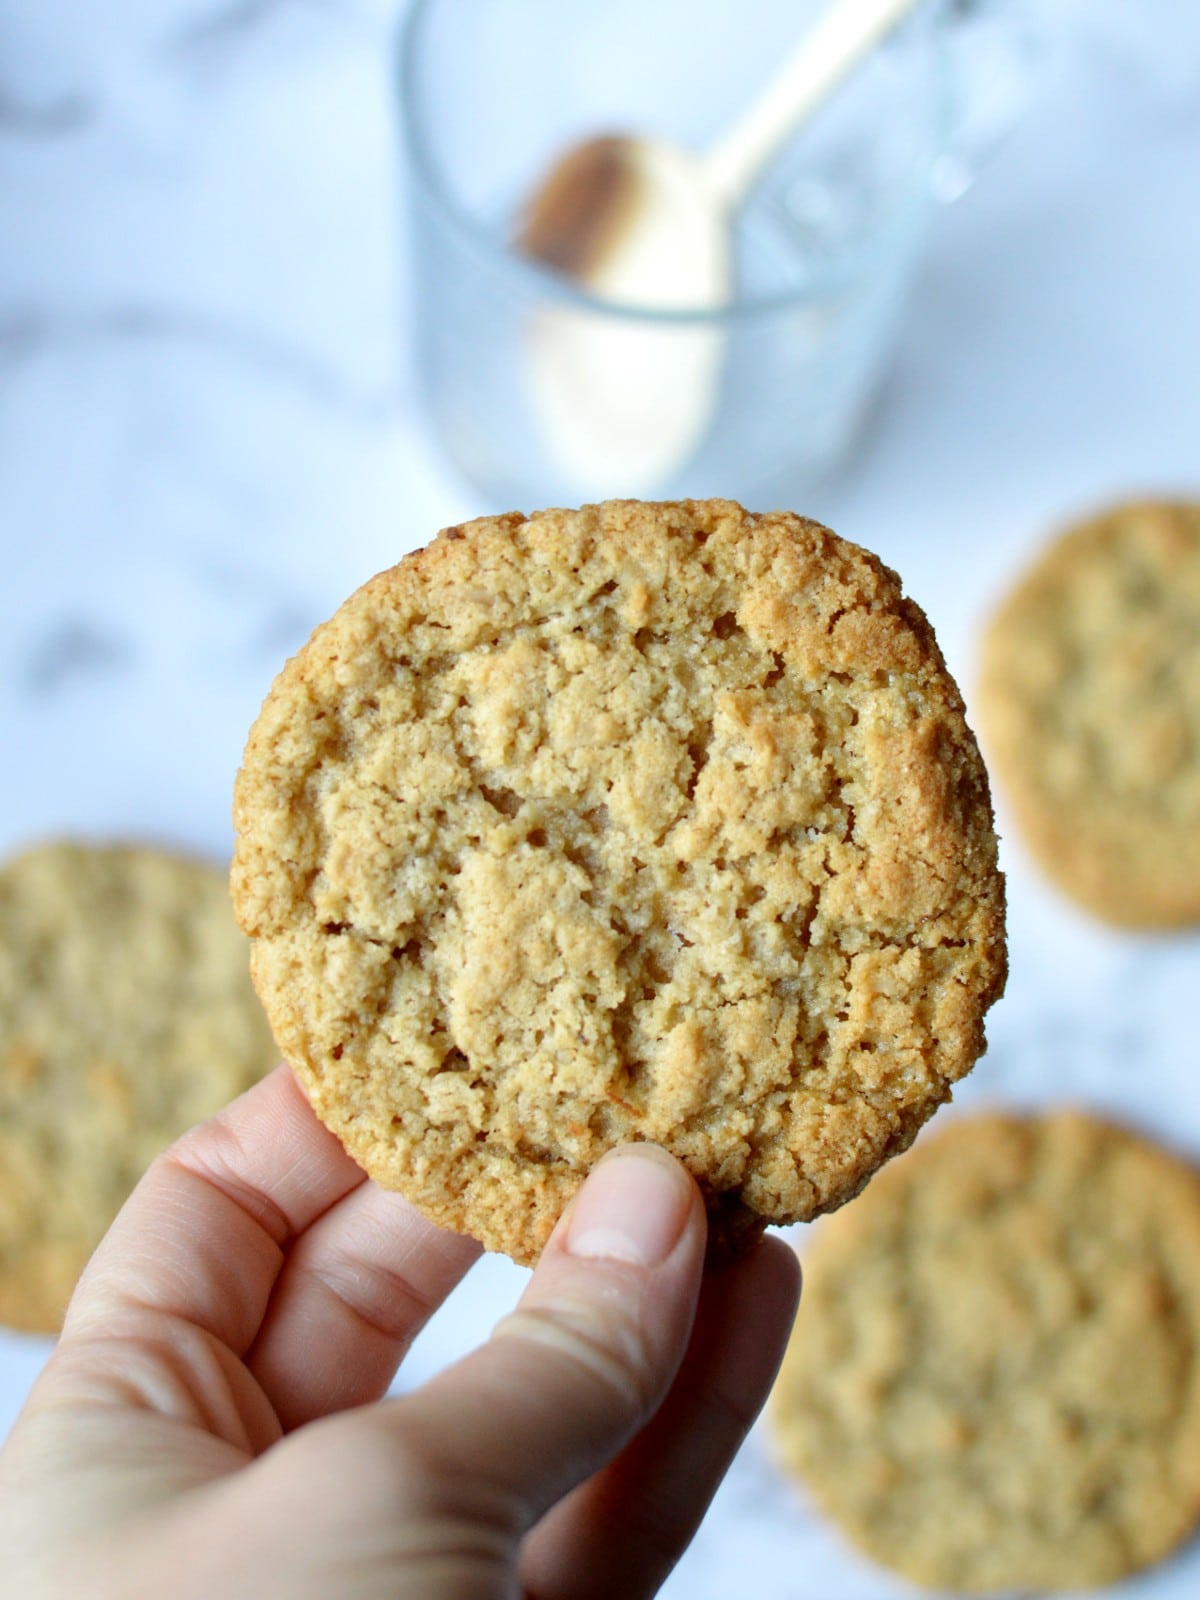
632,1208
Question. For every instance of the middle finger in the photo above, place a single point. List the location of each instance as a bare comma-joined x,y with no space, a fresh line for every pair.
355,1291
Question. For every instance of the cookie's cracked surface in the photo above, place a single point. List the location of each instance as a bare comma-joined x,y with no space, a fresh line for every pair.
642,821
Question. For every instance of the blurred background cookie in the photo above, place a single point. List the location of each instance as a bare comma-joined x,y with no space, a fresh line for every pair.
1090,700
994,1381
647,821
126,1015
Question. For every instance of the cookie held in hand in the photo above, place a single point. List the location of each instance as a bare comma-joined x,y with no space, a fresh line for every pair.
636,822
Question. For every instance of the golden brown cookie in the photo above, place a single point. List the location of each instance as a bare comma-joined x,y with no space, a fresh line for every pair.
1090,702
638,822
126,1015
994,1380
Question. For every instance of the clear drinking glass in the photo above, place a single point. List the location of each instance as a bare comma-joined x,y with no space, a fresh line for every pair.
758,399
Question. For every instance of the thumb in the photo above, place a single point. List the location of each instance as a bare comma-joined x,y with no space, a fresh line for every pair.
588,1355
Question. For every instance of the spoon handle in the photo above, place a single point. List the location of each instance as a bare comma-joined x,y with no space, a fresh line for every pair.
840,38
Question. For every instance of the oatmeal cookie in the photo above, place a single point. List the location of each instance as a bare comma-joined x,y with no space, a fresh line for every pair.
1090,703
637,822
994,1381
126,1015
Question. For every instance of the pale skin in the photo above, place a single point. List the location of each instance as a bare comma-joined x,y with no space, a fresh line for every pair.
211,1422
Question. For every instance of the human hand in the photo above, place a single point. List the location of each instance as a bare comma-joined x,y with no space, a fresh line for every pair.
203,1428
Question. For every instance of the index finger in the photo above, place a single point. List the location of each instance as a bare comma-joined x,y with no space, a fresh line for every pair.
204,1234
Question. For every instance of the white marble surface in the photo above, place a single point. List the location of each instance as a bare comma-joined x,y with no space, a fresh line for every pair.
209,433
